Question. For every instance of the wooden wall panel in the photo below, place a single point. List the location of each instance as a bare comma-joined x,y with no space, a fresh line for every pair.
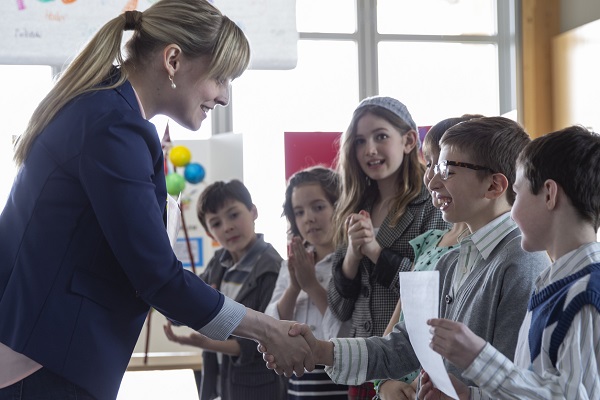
540,23
576,77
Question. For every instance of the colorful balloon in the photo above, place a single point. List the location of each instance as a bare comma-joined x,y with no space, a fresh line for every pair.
180,156
175,183
194,173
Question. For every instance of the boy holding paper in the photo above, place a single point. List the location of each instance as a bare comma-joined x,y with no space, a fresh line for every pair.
558,210
485,284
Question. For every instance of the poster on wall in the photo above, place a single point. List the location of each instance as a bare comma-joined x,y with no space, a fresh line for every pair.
305,149
51,32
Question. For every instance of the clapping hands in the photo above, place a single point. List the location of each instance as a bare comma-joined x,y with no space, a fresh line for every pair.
301,265
361,236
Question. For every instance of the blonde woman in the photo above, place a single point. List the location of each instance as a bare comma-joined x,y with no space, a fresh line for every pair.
84,250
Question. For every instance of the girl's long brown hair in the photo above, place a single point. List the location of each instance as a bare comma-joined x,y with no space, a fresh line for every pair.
356,193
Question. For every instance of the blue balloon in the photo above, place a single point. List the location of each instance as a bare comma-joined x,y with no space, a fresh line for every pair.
194,173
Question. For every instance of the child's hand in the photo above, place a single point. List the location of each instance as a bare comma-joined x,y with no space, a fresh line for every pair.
361,236
291,264
193,339
303,263
455,342
430,392
371,248
360,232
397,390
321,350
291,350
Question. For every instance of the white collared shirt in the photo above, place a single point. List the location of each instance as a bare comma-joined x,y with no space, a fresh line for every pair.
479,245
576,375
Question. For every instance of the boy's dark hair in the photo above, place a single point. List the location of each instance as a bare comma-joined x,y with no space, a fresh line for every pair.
327,178
215,195
571,158
435,133
493,142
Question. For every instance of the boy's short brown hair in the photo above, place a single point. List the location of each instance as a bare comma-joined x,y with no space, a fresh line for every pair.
571,158
215,195
435,133
493,142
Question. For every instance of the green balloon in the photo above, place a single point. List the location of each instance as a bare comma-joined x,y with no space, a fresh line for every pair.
175,183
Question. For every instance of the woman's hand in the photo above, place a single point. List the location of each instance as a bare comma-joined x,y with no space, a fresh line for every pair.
321,350
287,354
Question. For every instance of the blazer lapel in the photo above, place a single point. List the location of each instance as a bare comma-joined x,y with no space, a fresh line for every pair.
388,235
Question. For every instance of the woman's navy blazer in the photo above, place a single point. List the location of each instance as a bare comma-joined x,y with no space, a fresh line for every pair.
84,251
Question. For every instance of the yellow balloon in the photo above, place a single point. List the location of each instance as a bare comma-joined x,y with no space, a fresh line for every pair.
180,156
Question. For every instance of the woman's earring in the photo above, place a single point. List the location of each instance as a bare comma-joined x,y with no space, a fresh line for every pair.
368,180
173,85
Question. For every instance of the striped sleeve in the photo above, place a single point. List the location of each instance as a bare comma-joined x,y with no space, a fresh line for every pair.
576,375
349,361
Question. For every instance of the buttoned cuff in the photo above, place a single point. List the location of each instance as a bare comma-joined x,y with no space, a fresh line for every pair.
223,325
350,359
488,370
347,288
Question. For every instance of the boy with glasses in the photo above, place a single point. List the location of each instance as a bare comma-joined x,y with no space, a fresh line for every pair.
485,283
558,210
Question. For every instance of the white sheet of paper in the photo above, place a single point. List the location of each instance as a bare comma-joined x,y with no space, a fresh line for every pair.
420,296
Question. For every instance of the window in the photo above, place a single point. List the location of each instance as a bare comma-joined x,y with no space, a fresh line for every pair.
437,17
440,80
318,95
26,86
440,57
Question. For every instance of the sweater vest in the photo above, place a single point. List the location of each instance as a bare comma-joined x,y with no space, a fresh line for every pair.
548,307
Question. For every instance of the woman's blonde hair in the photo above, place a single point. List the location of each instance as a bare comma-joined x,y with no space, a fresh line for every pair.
194,25
357,190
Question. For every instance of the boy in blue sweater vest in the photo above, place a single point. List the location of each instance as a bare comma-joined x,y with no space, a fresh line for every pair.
558,210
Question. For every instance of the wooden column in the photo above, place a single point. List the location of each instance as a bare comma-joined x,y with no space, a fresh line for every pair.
540,23
576,82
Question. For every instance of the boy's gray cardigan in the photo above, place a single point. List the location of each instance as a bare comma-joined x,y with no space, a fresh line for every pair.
492,303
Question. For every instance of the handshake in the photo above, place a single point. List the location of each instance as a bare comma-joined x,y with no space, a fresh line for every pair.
292,348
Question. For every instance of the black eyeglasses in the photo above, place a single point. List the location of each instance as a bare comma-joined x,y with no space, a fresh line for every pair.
442,168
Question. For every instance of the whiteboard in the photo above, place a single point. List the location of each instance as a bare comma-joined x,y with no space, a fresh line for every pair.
51,32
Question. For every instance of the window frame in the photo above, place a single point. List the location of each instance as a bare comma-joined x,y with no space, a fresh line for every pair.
368,38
